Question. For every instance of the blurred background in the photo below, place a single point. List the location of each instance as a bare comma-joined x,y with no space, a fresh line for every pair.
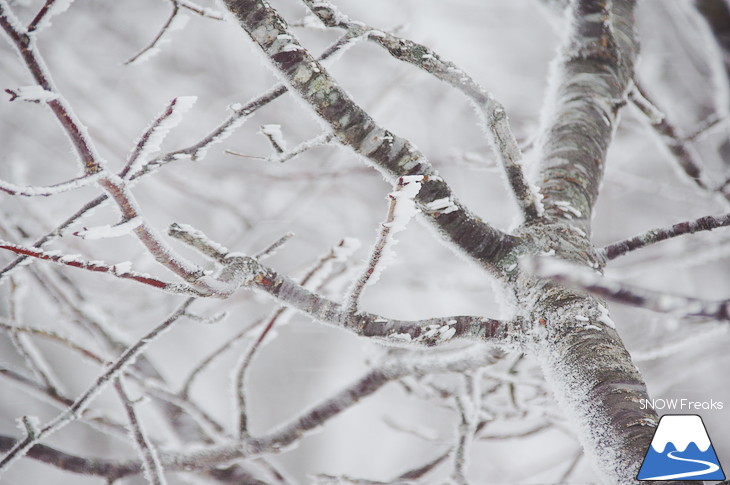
327,194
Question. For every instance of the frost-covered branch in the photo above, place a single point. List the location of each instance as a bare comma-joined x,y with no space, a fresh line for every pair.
36,191
586,280
153,137
400,210
213,456
433,331
168,26
74,411
122,270
353,127
26,348
681,150
468,403
319,272
585,95
150,460
92,163
491,113
195,151
46,12
228,344
707,223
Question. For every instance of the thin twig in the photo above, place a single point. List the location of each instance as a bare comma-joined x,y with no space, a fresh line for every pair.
79,405
394,156
196,151
321,266
706,223
384,238
153,45
593,283
59,188
153,470
490,111
114,270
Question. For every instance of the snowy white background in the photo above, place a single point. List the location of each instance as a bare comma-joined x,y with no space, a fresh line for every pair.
327,194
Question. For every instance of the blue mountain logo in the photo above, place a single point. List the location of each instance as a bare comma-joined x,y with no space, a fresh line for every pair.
681,450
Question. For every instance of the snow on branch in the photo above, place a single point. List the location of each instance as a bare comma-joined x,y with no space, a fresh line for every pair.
211,457
196,151
39,191
50,9
198,240
587,90
491,113
682,152
434,331
26,47
312,278
73,412
121,270
153,137
202,11
116,187
174,22
353,127
150,460
400,211
707,223
586,280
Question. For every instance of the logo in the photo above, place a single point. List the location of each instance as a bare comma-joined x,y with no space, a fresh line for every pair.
681,450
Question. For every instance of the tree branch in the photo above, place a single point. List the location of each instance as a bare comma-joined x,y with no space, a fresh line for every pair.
707,223
588,88
119,271
490,111
593,283
680,150
196,151
393,155
427,332
214,456
150,461
74,411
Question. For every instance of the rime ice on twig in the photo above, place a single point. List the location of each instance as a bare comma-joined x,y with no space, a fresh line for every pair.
47,11
285,156
197,239
196,151
400,210
317,273
228,344
591,282
275,137
271,249
120,271
206,458
683,153
36,191
152,468
392,155
174,22
25,347
433,331
467,404
74,411
491,113
707,223
153,137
